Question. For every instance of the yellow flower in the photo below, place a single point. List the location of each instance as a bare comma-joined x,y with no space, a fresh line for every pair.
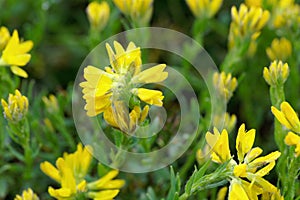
247,179
27,195
277,73
286,13
256,3
16,108
281,49
15,54
246,24
287,116
292,139
139,11
204,8
4,37
112,89
225,84
70,172
98,14
219,145
51,103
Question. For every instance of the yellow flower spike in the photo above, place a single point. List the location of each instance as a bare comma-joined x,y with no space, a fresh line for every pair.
236,191
277,73
287,116
240,170
139,11
204,8
280,49
225,84
246,23
98,14
27,195
292,139
244,141
219,144
16,108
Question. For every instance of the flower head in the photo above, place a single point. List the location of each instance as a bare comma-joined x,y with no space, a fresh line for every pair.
287,116
16,107
111,91
27,195
16,54
277,73
204,8
247,180
70,172
281,49
139,11
225,84
246,24
286,13
98,14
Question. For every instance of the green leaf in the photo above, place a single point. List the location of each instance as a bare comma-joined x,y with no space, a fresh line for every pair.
175,185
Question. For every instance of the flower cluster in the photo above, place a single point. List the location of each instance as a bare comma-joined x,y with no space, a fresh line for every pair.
204,8
27,195
112,91
98,14
277,73
280,49
16,107
225,84
246,24
14,52
247,180
70,172
289,118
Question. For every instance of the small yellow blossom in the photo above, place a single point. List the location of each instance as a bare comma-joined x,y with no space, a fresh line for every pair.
16,107
51,103
277,73
70,172
16,54
4,37
219,145
248,174
98,14
246,24
287,116
281,49
225,84
204,8
27,195
292,139
140,11
112,89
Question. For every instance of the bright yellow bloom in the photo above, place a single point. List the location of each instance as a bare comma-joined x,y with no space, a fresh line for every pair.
286,13
27,195
277,73
219,145
287,116
16,108
256,3
140,11
70,172
4,37
250,166
281,49
112,89
292,139
204,8
98,14
16,54
51,103
225,84
246,24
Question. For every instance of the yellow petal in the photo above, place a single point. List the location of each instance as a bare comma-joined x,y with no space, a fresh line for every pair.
153,75
292,139
19,71
152,97
50,171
